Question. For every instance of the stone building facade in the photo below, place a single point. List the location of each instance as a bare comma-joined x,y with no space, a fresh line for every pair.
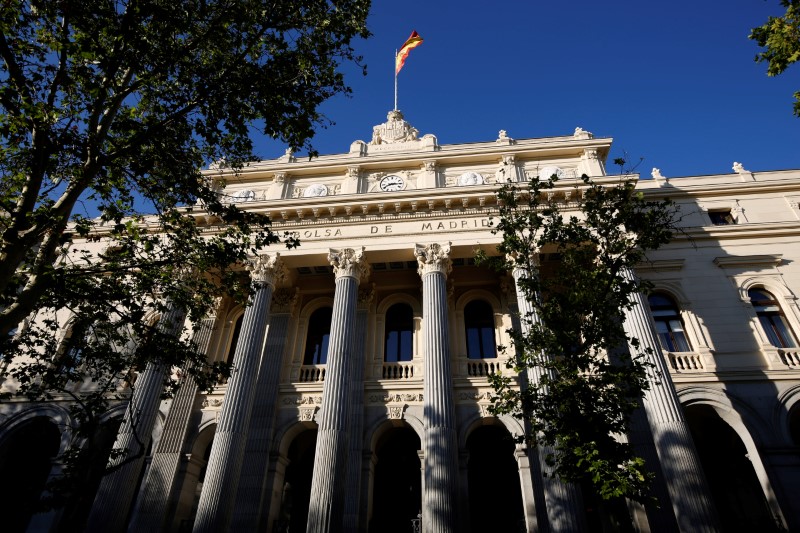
360,400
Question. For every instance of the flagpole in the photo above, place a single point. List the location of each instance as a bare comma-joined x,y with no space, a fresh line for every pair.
395,79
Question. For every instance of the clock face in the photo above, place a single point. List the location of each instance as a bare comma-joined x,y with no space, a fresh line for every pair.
392,183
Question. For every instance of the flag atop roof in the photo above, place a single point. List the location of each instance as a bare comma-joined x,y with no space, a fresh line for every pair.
412,42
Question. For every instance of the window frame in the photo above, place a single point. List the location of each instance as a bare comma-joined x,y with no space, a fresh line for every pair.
481,324
774,314
400,355
670,328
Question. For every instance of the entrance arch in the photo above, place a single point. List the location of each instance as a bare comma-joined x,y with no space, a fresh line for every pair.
397,485
734,485
26,458
296,490
495,494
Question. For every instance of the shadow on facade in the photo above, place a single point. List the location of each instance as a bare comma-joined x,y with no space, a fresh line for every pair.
397,485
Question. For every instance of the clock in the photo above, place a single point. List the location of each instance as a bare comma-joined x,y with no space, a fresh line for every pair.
392,183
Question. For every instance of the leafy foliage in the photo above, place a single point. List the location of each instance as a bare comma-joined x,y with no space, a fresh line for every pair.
117,104
583,384
781,38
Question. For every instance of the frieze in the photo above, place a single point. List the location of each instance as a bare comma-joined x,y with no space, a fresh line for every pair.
396,398
302,400
475,396
211,402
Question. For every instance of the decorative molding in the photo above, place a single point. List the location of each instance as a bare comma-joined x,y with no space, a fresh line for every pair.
661,265
396,412
739,261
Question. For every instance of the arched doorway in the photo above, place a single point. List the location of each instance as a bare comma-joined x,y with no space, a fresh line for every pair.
495,493
734,486
297,483
26,457
397,486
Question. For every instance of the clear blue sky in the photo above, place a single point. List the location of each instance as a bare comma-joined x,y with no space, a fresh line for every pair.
672,82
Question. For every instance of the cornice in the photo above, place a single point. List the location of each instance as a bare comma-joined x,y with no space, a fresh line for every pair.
547,147
750,230
738,261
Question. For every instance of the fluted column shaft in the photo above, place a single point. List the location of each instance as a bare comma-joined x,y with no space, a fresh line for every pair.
224,464
115,495
691,499
440,508
353,483
326,506
250,499
151,509
563,501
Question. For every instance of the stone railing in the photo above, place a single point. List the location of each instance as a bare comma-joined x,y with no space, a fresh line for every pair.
484,367
398,371
685,362
790,357
312,373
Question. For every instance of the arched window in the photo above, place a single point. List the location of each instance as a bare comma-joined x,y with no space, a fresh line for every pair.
669,326
319,332
479,326
399,334
772,320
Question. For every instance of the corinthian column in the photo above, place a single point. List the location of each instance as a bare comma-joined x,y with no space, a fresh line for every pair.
439,512
326,508
563,501
115,495
686,483
351,514
151,508
224,464
250,497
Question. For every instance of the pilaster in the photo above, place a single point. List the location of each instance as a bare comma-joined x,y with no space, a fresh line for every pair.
563,501
353,483
151,509
251,498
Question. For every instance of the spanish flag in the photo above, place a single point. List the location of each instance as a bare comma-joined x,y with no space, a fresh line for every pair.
412,42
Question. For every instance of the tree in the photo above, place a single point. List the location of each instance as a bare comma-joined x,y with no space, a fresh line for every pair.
117,105
585,382
781,38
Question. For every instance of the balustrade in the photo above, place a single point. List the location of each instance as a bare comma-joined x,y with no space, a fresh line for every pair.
483,368
685,362
398,371
312,373
790,358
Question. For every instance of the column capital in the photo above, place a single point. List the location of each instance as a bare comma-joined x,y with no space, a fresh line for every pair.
522,263
266,269
433,258
349,262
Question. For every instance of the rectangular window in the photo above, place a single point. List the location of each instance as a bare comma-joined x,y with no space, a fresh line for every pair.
721,217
